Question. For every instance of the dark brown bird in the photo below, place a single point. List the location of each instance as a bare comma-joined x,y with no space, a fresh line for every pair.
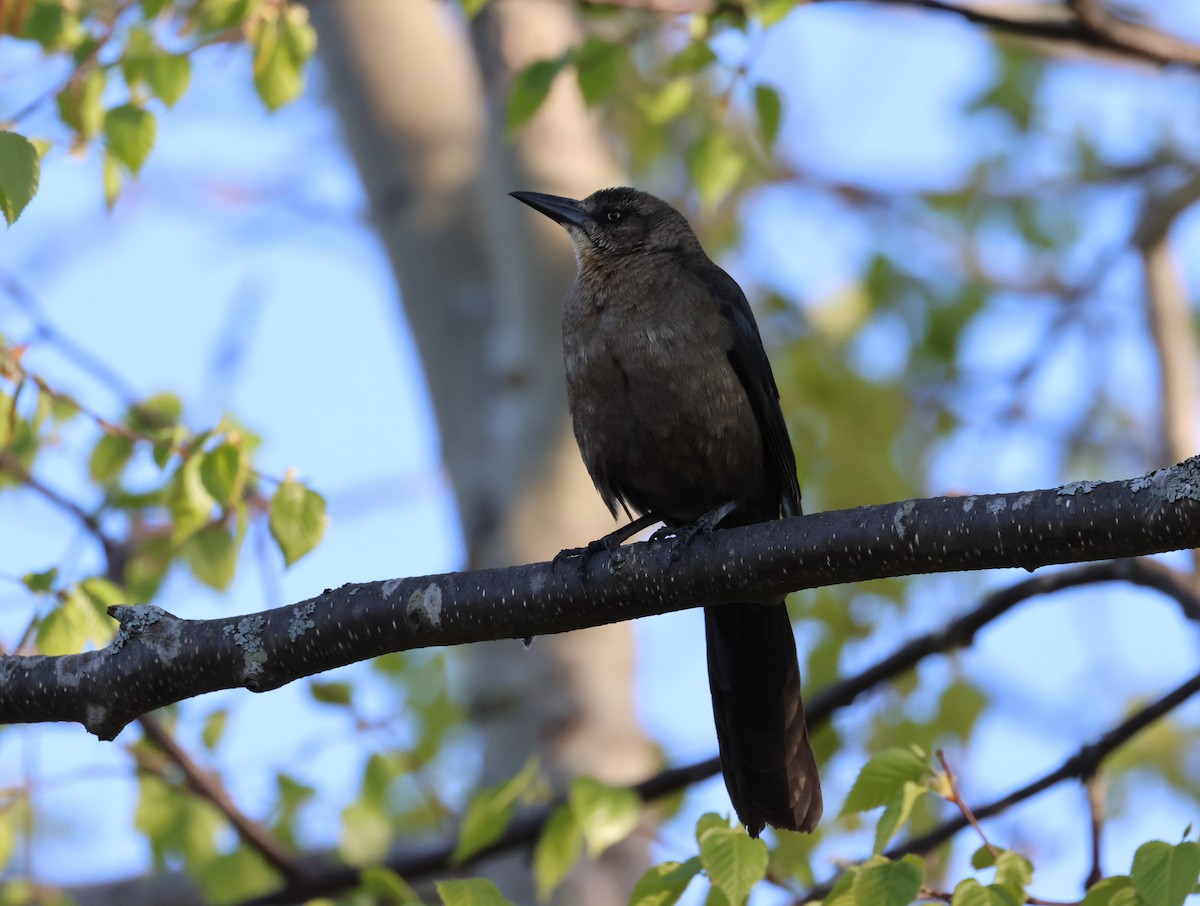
677,416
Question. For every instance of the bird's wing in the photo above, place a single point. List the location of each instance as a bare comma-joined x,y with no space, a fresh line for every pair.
750,362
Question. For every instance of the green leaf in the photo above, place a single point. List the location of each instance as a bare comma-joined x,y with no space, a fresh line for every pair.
219,15
282,47
102,593
152,8
529,88
214,729
668,102
79,102
191,506
113,179
1104,891
147,567
471,892
961,704
606,814
41,582
883,777
139,49
223,472
234,876
366,832
297,520
691,59
163,410
108,458
597,65
212,553
388,887
558,849
473,7
53,25
770,112
489,811
709,820
13,820
19,172
971,893
130,131
72,624
663,885
983,857
716,166
169,75
1014,871
881,882
734,862
772,11
59,633
167,443
1164,874
897,812
331,693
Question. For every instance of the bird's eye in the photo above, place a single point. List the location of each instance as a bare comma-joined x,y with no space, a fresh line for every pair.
614,216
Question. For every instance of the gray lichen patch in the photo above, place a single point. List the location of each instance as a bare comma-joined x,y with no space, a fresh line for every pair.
1023,501
248,636
135,619
390,586
300,620
996,505
1181,482
1078,487
902,517
425,606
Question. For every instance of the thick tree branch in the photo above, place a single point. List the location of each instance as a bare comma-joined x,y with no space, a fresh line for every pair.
1084,24
1133,37
157,658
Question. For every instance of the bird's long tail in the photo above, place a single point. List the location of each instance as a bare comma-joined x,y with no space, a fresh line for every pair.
754,676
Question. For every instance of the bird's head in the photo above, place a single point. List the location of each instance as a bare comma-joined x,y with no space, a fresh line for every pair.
612,223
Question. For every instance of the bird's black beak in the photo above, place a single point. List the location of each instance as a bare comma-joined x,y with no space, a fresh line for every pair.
566,211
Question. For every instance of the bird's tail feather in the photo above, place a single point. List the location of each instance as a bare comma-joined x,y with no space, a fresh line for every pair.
754,676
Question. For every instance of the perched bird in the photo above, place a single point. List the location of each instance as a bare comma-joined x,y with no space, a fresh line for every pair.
677,417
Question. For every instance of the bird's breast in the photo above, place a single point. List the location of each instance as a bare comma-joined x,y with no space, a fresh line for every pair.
661,418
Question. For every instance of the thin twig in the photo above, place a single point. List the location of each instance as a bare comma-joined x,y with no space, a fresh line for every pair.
210,788
14,468
1095,798
1079,766
956,798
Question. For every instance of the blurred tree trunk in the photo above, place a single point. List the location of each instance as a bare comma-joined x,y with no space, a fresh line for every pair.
482,283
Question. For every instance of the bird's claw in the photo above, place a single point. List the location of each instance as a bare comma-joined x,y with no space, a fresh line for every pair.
685,535
607,544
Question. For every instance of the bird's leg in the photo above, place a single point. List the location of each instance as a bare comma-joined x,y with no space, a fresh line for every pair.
684,535
609,543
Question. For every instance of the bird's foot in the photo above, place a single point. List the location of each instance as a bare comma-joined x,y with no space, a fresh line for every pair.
581,555
610,544
685,535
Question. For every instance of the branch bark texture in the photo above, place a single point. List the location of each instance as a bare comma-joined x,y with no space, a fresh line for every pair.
157,658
